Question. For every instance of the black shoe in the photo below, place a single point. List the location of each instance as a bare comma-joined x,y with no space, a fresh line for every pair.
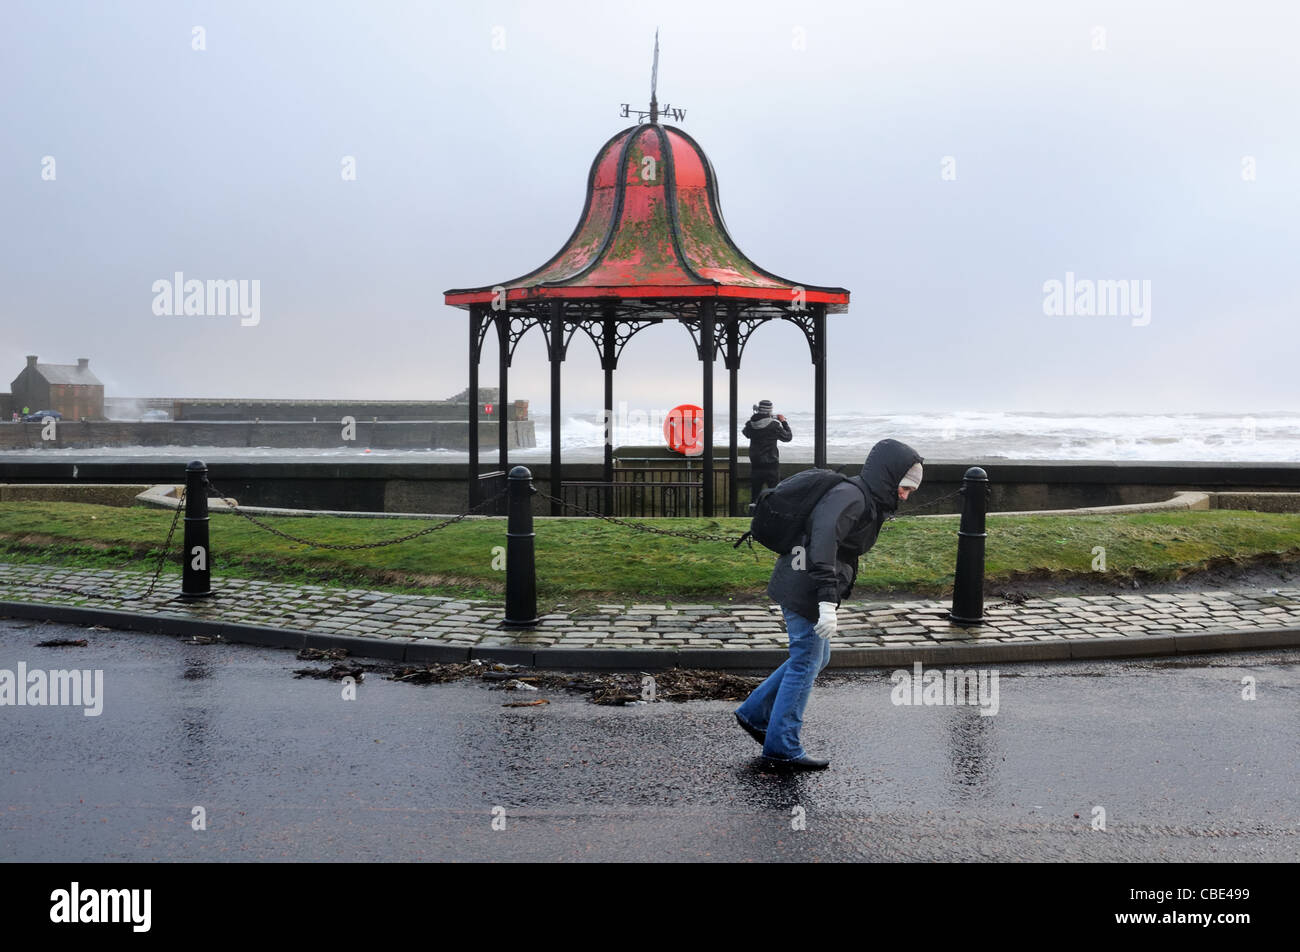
754,732
801,763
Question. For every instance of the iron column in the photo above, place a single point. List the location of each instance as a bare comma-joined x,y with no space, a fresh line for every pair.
557,356
819,385
608,359
475,326
503,399
733,367
706,355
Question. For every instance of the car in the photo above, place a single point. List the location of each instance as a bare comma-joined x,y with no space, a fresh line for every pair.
155,416
40,415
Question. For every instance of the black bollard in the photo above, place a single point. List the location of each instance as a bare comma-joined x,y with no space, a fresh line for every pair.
968,587
196,573
521,568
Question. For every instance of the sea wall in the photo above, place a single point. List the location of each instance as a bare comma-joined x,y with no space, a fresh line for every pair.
334,410
389,485
396,435
310,411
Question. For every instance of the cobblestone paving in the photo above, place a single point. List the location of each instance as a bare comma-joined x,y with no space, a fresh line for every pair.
381,615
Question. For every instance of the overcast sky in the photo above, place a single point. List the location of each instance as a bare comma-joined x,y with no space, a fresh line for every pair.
1136,141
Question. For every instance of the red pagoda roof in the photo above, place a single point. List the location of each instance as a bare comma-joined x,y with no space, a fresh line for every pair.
651,227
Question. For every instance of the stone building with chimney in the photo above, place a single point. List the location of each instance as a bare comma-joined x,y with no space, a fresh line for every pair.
70,389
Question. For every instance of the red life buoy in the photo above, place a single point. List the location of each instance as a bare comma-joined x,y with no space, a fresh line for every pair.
684,430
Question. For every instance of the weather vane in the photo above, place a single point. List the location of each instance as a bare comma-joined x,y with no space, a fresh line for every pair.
654,111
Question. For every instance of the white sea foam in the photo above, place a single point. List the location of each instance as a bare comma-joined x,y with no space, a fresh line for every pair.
1205,437
1262,437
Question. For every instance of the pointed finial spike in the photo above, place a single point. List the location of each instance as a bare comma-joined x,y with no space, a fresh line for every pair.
654,81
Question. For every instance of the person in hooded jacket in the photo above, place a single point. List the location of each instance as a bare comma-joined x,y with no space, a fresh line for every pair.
763,431
810,582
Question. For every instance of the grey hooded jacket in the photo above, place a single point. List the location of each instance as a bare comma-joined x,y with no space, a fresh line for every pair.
843,525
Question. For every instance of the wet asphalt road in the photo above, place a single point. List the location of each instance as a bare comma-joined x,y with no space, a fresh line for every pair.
1185,769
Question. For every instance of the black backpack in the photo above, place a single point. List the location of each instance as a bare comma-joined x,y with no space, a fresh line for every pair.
781,513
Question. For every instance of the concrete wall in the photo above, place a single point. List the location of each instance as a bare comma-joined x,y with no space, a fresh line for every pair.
440,434
388,485
333,411
99,495
1259,502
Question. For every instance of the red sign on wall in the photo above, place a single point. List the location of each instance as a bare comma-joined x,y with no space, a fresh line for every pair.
684,430
487,408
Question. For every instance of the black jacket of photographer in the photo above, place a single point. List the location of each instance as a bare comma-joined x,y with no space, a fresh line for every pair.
763,432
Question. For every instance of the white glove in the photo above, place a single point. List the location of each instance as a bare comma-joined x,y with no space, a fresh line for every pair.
826,622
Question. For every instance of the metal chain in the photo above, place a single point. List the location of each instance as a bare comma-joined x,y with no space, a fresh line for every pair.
176,517
352,546
912,510
229,501
704,536
157,573
180,508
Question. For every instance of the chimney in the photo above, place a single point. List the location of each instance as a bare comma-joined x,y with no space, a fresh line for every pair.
83,363
31,360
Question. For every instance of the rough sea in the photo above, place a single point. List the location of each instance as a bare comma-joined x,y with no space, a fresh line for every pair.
1260,436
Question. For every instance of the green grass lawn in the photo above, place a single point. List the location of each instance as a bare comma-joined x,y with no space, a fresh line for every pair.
585,560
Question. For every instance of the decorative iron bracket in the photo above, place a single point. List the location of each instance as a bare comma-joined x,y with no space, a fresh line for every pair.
567,330
745,327
624,331
485,321
805,321
692,325
517,324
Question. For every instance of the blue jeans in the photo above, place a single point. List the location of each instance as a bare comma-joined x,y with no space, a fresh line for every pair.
776,705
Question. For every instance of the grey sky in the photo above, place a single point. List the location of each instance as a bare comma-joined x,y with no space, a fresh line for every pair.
1119,163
